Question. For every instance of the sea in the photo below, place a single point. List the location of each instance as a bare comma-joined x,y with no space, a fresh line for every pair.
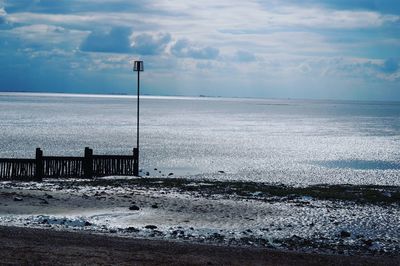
291,142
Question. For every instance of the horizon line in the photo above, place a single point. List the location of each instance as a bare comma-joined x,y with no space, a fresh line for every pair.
187,97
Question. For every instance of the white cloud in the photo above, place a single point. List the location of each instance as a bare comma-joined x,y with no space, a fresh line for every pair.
3,15
45,33
226,26
150,44
183,48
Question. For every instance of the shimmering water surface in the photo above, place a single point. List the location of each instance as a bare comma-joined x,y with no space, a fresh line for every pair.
286,141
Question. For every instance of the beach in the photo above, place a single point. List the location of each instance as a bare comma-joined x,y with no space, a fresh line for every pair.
340,220
22,246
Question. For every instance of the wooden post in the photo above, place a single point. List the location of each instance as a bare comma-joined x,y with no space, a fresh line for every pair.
135,162
88,163
39,165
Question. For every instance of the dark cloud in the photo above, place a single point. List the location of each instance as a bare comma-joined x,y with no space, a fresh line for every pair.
182,48
390,65
244,56
68,6
3,16
147,44
115,41
118,40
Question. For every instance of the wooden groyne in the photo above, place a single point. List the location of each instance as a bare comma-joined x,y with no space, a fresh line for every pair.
88,166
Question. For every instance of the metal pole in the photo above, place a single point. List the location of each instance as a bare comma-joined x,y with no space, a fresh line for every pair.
137,125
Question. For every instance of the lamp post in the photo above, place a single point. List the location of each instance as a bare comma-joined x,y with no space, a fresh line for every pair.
137,67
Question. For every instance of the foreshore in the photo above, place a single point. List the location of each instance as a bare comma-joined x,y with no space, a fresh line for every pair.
342,222
27,246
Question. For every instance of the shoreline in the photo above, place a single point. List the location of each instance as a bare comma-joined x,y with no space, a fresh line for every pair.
25,246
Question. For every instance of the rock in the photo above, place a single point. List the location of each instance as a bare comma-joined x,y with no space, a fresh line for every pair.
170,174
132,229
368,242
150,226
174,233
147,173
134,208
154,206
216,236
48,196
45,221
221,172
155,169
44,201
88,223
344,234
18,199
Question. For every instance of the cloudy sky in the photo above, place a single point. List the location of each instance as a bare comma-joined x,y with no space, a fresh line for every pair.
337,49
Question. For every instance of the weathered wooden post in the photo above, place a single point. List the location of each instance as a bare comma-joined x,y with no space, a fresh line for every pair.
135,162
88,163
39,170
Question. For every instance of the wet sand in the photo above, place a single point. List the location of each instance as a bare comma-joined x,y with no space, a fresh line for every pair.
27,246
326,220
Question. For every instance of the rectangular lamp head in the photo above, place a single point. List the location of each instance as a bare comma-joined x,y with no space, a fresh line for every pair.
138,66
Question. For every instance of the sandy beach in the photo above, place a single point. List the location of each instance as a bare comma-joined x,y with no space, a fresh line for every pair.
22,246
185,214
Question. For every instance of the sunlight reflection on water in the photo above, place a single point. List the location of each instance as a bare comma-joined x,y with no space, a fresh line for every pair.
284,141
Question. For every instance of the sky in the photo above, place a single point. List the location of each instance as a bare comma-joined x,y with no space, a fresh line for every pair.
315,49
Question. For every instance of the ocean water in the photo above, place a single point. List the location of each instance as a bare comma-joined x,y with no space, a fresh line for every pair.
296,142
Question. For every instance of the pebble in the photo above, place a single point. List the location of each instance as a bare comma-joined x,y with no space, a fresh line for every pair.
132,229
134,208
44,201
150,226
368,242
344,234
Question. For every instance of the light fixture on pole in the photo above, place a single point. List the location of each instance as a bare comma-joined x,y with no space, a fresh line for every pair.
137,67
